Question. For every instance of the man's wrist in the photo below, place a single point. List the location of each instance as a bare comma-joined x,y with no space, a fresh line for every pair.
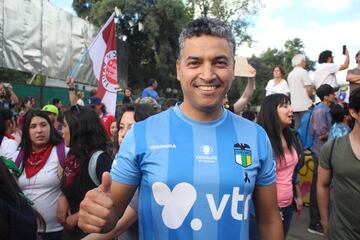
71,89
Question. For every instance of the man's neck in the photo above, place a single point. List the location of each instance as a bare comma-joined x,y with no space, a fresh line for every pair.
326,103
200,116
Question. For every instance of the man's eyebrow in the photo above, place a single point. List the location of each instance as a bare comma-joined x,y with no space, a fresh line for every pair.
221,57
192,58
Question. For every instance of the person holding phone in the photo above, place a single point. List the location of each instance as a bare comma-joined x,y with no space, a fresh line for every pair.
325,73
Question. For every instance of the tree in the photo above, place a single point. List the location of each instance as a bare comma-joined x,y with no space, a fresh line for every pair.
236,12
152,52
10,75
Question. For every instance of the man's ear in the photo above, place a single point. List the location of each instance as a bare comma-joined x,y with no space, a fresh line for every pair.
353,113
178,69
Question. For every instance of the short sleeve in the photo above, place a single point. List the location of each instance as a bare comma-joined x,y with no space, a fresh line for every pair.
324,155
267,173
285,87
8,148
268,88
125,168
306,79
333,68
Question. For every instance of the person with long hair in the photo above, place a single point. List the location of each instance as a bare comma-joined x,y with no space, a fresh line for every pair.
278,84
276,117
17,219
85,136
40,165
126,228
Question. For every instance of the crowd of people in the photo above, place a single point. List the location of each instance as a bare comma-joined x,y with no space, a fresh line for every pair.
193,169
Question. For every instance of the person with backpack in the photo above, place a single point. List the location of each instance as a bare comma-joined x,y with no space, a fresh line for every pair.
320,124
40,169
340,162
84,165
276,117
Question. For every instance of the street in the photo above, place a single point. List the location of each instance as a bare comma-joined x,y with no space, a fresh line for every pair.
299,225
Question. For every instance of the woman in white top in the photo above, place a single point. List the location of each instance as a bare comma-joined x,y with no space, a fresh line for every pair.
8,145
39,158
278,84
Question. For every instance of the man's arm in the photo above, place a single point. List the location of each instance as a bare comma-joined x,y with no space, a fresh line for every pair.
345,65
353,78
14,99
267,213
323,183
310,90
103,206
72,96
248,92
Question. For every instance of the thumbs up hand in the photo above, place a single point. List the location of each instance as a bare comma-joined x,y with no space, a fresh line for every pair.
96,206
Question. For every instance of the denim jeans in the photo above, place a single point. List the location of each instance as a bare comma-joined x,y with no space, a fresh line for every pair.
287,213
313,205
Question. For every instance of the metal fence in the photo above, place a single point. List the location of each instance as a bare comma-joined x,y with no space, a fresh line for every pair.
38,37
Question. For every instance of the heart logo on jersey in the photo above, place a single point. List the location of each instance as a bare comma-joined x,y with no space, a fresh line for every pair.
177,203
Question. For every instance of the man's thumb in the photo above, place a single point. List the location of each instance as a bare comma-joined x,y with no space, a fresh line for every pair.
105,185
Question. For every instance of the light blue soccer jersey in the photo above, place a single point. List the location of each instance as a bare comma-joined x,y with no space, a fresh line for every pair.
196,179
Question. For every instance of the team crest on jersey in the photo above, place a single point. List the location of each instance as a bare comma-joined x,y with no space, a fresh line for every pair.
242,154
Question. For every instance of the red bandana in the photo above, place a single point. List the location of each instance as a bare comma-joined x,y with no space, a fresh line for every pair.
71,169
9,136
36,161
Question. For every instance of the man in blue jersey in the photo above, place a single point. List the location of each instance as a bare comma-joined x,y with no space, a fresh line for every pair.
198,166
150,91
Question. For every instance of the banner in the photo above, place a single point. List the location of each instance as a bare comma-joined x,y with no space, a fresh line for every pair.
103,55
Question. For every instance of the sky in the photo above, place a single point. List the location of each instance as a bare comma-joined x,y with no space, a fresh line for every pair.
320,24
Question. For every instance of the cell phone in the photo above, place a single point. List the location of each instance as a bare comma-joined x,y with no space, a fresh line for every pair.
344,49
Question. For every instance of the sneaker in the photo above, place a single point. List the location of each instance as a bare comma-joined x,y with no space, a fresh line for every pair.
316,229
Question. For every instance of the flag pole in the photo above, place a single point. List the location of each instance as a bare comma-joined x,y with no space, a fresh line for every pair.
74,70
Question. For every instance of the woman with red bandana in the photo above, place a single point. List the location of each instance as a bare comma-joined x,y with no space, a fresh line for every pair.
40,160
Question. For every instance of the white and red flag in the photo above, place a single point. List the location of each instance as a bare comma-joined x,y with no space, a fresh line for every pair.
103,55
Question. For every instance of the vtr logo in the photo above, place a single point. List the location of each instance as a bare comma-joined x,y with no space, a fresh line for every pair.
178,203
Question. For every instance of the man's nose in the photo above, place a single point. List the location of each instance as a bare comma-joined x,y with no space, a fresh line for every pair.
208,73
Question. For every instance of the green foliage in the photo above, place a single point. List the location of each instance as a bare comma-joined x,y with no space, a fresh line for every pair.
152,52
10,75
236,12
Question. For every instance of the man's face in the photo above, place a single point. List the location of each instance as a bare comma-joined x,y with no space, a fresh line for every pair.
155,85
59,105
303,64
331,98
205,70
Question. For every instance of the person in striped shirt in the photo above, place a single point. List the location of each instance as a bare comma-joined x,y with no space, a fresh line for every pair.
197,165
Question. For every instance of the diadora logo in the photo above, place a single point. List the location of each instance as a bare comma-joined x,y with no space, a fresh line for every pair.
205,156
162,146
178,203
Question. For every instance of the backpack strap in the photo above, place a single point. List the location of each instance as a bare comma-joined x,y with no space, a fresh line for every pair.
19,157
92,167
60,151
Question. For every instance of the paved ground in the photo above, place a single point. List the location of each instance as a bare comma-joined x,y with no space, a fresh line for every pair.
299,225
